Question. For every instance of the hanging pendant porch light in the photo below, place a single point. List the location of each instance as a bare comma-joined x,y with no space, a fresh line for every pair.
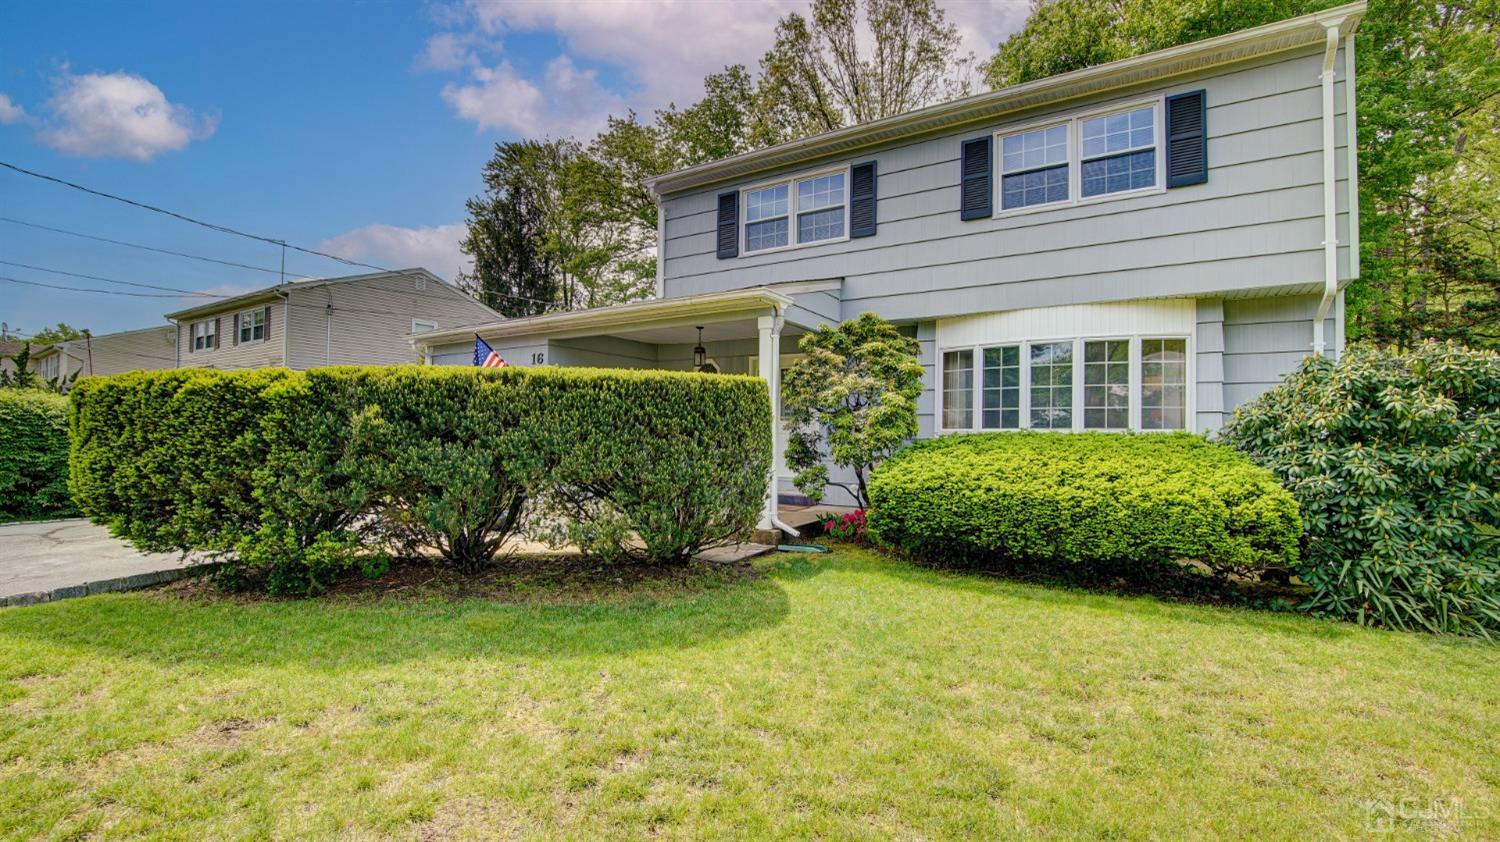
700,354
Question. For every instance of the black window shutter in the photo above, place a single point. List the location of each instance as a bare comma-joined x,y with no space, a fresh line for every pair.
1187,139
729,224
976,191
862,200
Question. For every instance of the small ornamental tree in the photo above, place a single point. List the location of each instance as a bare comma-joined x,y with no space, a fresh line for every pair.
851,401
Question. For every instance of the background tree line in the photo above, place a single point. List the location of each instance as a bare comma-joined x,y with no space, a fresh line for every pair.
565,224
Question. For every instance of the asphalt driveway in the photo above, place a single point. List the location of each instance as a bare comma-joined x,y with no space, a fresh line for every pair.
57,559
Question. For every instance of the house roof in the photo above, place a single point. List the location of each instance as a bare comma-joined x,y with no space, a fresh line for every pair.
634,315
1293,33
272,293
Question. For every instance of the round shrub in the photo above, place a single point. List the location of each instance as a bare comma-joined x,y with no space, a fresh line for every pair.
1047,498
1392,457
33,455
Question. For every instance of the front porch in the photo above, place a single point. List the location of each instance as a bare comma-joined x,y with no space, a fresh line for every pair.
748,332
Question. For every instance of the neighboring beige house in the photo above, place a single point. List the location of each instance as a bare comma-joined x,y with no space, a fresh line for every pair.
355,320
110,353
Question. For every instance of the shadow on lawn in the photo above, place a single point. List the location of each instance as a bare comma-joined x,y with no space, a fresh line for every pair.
335,635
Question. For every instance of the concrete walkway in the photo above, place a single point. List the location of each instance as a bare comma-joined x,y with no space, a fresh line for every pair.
40,562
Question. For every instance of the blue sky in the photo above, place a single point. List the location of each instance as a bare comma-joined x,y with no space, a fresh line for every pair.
354,127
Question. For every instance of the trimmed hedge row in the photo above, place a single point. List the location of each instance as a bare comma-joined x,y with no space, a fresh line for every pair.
295,476
1393,458
33,455
1082,498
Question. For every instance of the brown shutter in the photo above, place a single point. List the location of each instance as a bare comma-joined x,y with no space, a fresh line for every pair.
267,332
218,330
234,336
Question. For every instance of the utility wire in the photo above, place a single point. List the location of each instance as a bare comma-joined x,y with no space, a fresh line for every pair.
90,289
144,247
228,230
177,290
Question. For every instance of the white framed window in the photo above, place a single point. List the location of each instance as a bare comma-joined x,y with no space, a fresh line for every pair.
1000,391
1034,167
797,211
49,367
203,334
958,389
1050,366
1091,156
1106,384
1119,152
1164,384
1080,383
420,326
252,326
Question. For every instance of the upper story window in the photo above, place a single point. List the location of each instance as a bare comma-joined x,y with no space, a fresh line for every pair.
50,367
1088,157
797,212
1034,167
203,334
252,326
1119,152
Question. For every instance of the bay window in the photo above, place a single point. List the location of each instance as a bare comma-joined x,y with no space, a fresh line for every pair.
1104,383
797,212
958,390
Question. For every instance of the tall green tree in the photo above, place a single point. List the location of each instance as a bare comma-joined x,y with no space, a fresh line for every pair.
853,61
60,332
1428,83
514,271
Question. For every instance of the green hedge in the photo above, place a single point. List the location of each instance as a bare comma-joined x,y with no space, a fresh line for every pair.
295,476
33,455
1393,459
1082,498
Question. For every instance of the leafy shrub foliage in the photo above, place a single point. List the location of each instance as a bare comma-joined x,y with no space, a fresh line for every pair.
1393,459
33,455
293,477
1043,498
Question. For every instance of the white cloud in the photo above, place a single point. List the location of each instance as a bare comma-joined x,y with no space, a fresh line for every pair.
118,115
564,101
432,248
10,112
661,49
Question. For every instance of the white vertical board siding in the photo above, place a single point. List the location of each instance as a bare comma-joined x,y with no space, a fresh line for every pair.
1256,222
1210,361
1166,317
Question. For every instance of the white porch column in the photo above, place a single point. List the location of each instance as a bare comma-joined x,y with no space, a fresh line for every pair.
770,369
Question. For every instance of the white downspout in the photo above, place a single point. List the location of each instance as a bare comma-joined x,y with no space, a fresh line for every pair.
770,369
1330,192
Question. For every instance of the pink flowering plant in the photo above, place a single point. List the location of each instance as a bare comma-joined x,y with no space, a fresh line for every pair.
848,527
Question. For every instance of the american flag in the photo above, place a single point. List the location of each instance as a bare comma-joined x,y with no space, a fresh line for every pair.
485,356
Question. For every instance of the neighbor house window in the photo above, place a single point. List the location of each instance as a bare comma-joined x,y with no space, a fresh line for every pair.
797,212
958,390
49,367
203,334
1000,406
419,326
1106,385
1034,167
1119,152
252,326
1052,385
1163,384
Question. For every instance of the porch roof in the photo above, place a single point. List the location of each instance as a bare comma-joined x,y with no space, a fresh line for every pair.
634,316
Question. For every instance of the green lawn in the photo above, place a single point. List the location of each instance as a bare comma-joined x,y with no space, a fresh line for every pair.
842,696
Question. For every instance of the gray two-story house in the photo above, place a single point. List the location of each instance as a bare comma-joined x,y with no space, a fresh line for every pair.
1141,245
352,320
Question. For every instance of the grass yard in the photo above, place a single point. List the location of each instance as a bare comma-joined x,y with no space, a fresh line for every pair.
843,696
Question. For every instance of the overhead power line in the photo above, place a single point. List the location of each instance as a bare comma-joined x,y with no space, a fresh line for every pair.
225,229
90,289
177,290
144,247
